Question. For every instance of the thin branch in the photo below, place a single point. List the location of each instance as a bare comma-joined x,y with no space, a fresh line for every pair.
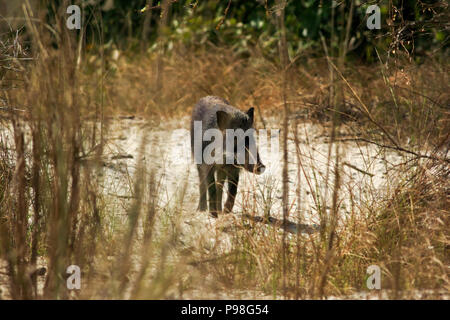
224,15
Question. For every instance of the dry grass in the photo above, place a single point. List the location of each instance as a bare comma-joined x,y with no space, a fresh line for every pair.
398,98
53,208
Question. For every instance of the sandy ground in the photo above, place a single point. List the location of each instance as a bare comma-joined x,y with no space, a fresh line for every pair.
165,149
168,152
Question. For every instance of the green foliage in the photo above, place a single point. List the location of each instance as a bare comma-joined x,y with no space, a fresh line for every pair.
414,27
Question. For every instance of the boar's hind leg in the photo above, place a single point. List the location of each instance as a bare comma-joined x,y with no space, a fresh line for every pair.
202,174
233,180
212,192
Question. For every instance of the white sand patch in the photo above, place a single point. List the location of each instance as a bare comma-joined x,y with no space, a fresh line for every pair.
167,152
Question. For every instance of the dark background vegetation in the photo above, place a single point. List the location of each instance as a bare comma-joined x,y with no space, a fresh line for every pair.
417,27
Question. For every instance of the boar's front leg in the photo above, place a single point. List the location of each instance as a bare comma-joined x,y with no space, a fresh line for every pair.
233,180
202,175
221,176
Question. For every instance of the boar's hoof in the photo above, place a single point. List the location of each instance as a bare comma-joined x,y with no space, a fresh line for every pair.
213,214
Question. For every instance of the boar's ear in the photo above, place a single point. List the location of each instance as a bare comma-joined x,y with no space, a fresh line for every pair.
250,113
223,119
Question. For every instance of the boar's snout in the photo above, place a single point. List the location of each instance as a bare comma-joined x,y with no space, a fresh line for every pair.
260,169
